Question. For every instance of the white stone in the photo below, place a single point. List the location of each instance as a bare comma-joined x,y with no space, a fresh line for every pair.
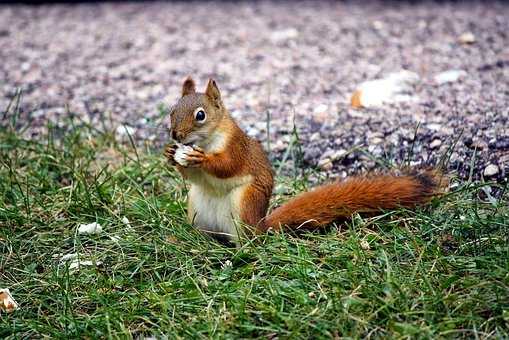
396,87
434,126
314,137
491,170
325,164
285,34
378,25
279,145
435,144
338,154
124,130
321,108
450,76
252,131
467,38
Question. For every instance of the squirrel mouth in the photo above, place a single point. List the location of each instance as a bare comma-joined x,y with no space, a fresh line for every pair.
190,140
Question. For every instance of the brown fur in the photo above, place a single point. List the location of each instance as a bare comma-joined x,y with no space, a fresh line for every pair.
188,87
254,205
243,157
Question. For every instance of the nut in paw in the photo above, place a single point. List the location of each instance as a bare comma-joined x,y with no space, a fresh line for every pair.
189,156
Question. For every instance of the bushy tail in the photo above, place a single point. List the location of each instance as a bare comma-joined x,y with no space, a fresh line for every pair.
338,201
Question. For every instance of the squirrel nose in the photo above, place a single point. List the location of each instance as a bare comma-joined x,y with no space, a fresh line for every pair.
177,135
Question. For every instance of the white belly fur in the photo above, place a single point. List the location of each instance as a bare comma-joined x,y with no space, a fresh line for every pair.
216,214
214,204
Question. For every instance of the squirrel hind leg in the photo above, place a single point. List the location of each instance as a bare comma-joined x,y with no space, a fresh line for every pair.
253,208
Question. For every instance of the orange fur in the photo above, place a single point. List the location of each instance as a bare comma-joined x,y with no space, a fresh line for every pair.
230,161
254,206
338,201
355,101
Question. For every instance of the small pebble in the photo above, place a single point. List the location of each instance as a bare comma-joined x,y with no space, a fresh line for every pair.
325,164
338,154
435,144
282,35
123,131
491,170
365,245
320,108
314,137
467,38
450,76
434,126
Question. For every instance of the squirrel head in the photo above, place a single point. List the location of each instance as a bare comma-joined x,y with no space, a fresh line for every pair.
195,116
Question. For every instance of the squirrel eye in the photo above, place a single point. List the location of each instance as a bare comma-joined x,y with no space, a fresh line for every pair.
200,115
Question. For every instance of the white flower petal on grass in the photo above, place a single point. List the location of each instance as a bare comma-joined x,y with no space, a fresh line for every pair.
91,228
365,245
126,221
127,224
76,264
115,238
7,302
68,257
227,264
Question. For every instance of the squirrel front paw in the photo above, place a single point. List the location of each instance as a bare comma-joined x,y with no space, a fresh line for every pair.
189,156
169,153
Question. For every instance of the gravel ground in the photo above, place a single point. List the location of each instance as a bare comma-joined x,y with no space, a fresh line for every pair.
115,63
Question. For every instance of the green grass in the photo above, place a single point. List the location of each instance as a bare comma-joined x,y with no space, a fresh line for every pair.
441,271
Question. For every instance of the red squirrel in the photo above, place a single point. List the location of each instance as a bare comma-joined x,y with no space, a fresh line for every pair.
231,179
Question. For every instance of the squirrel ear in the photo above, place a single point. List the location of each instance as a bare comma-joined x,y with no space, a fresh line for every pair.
188,87
212,90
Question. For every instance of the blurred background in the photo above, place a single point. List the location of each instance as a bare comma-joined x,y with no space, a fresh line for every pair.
280,65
